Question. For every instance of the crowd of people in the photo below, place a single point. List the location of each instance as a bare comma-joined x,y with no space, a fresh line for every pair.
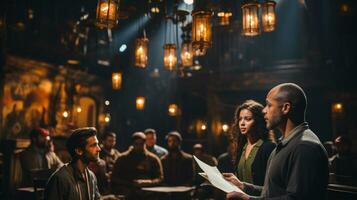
294,166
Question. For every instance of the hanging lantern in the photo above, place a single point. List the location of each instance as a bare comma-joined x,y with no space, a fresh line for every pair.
107,13
154,6
268,16
116,80
140,103
186,54
173,110
224,17
250,18
170,58
201,29
141,52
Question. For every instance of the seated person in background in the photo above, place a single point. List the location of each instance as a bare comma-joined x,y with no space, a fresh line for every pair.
177,165
204,190
344,163
109,154
151,143
99,168
74,180
227,162
136,168
38,155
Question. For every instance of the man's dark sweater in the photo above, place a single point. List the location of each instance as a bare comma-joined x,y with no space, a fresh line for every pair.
297,168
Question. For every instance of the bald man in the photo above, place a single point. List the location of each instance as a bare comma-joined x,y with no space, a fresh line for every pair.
298,166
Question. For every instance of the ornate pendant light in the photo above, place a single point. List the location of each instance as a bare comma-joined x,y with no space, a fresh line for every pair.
170,59
201,29
250,18
116,80
186,54
224,17
268,16
141,51
107,13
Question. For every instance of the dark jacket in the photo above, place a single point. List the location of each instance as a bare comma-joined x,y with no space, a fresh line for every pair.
67,184
260,162
179,170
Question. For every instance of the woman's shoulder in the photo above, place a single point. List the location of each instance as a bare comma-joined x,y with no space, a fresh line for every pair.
268,145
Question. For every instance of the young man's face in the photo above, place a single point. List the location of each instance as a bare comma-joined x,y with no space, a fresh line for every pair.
138,145
150,139
173,143
92,149
109,142
273,113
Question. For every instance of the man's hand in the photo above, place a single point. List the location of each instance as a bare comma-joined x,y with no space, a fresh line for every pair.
237,195
234,180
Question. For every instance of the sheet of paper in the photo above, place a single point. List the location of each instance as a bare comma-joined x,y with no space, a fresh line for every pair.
215,177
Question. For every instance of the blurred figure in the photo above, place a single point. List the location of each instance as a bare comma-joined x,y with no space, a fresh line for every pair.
136,168
74,180
99,168
109,154
53,161
227,162
203,190
151,143
177,165
39,155
344,163
330,149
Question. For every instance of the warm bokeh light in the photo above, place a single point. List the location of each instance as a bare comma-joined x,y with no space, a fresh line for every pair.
140,103
337,107
107,118
116,80
173,109
225,127
79,109
65,114
224,18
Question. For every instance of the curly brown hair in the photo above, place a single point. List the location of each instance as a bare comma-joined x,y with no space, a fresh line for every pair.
261,132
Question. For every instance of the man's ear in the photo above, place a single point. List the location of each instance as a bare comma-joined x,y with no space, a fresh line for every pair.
286,108
79,151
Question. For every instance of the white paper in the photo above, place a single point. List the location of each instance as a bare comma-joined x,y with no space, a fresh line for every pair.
214,176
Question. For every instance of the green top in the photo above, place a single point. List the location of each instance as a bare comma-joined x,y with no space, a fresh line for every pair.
245,165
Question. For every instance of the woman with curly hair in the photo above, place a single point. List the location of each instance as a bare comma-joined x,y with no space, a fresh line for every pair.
254,142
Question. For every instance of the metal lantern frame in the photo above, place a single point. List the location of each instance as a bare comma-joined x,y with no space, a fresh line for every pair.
251,24
107,13
186,53
201,29
268,16
141,51
170,58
